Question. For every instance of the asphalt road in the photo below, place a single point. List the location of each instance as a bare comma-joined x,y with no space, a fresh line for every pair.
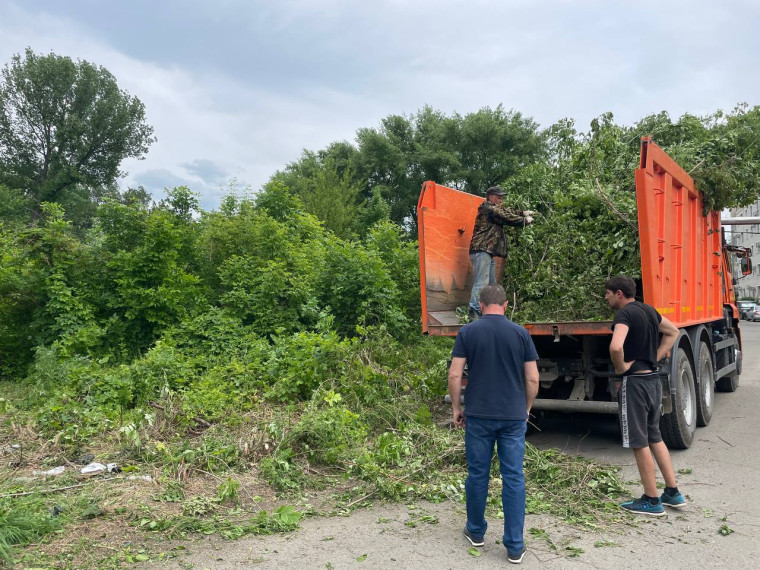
722,489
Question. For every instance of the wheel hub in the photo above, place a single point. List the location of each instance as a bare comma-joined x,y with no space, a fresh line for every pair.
706,382
688,412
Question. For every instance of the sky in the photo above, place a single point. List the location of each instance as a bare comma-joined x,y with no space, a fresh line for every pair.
236,90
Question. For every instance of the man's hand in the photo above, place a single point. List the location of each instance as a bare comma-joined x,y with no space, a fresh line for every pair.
626,367
527,213
458,417
528,220
669,337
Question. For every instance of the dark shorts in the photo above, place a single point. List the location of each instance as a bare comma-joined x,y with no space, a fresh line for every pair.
639,401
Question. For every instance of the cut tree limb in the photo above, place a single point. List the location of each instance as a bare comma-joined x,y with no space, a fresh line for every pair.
612,206
196,419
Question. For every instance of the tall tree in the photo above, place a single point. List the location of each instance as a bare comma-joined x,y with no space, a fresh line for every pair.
494,145
397,158
469,152
333,199
65,123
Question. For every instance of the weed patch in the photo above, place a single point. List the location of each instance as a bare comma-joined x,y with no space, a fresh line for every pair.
19,527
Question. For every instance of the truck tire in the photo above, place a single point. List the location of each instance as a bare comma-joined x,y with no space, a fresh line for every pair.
706,385
678,426
731,382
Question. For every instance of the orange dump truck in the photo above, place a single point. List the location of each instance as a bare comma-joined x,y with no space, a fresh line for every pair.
686,276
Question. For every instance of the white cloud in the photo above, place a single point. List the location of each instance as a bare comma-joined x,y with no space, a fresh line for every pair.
245,86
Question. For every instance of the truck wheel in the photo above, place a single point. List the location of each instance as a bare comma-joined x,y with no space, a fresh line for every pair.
706,385
678,426
731,382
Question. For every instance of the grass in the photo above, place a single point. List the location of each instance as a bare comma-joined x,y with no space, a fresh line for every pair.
20,527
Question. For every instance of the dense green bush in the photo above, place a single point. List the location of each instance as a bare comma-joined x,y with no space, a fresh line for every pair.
357,287
19,286
401,258
300,363
254,269
330,433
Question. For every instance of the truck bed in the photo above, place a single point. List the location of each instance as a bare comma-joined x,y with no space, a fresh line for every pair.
682,267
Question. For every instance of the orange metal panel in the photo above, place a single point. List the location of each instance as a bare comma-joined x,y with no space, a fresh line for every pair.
445,219
681,252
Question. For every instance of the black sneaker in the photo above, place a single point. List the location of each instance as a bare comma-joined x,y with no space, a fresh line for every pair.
474,315
475,541
517,557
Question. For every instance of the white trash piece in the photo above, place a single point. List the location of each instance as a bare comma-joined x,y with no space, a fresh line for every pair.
112,468
139,478
54,471
8,449
93,468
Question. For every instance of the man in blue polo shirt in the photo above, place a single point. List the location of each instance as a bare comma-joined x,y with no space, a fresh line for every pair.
502,384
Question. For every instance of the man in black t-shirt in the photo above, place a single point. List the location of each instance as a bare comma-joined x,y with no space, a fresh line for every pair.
640,339
502,384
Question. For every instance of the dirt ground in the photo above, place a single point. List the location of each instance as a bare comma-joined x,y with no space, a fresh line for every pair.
720,475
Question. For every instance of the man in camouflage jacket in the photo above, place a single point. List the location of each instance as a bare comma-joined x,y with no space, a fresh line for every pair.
488,240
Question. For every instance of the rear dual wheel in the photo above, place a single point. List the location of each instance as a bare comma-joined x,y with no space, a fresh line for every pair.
678,426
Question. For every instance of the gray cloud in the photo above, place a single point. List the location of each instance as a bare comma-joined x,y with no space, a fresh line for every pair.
239,88
157,181
207,170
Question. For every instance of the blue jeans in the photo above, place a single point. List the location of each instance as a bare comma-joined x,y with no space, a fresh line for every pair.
480,436
484,273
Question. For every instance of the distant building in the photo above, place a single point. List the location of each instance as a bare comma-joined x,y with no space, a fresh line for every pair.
747,236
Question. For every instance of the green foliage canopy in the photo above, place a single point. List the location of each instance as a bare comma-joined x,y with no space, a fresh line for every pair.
469,152
63,124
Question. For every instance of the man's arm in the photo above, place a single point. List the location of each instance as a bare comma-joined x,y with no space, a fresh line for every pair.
669,335
455,388
616,348
530,371
508,216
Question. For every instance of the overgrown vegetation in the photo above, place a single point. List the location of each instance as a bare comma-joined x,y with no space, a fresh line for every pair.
580,183
231,360
586,227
